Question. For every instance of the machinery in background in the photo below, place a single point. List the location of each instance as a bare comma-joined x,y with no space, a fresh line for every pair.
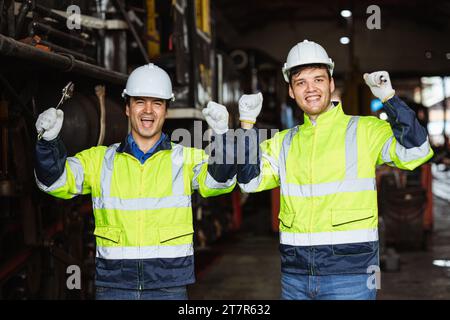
44,45
405,199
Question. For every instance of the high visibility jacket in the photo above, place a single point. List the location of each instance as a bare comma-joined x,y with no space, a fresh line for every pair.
326,173
143,215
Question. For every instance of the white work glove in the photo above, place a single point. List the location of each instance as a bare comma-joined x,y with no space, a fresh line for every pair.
51,120
217,117
250,106
380,85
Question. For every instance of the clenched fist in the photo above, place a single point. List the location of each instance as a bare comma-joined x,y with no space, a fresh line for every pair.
51,121
217,117
250,106
380,85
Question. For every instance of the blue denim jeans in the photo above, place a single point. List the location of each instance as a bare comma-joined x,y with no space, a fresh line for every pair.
171,293
326,287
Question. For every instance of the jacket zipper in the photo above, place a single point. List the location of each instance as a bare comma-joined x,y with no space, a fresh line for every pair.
141,273
140,262
312,199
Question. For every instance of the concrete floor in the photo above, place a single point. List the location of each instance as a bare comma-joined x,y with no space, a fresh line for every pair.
246,266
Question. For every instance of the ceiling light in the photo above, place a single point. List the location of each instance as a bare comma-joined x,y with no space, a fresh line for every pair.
442,263
344,40
346,13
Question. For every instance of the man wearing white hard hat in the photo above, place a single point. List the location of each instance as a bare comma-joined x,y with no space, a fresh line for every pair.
141,192
325,169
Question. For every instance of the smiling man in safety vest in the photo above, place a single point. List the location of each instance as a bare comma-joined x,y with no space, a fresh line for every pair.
141,191
326,172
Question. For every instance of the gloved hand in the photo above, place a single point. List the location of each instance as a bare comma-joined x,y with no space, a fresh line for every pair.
217,117
250,106
380,85
51,121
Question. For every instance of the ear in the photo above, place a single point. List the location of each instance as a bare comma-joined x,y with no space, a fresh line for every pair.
127,110
166,105
291,92
332,87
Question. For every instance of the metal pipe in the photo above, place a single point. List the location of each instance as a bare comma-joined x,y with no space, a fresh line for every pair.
48,12
37,26
57,49
12,48
100,93
26,6
133,30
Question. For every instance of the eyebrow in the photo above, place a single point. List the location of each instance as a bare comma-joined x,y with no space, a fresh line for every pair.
316,77
143,98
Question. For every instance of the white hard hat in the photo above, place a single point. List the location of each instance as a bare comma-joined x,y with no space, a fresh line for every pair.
306,52
149,81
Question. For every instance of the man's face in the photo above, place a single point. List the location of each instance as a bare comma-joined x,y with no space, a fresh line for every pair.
147,116
311,89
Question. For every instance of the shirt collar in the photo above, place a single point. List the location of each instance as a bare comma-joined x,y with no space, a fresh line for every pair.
127,145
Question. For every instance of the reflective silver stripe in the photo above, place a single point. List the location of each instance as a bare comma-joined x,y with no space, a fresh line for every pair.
283,158
150,252
411,154
77,171
351,183
56,185
177,200
211,183
351,149
253,184
323,189
328,238
141,203
177,170
272,161
385,155
197,169
107,169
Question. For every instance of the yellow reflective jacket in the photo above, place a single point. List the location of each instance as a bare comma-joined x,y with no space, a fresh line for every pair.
143,215
326,173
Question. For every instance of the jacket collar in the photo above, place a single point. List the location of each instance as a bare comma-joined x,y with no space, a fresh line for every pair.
126,147
326,118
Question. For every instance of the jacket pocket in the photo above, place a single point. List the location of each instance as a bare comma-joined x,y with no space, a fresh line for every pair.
345,245
287,218
175,232
109,233
340,216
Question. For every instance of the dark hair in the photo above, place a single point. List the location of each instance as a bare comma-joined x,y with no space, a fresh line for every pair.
128,100
296,70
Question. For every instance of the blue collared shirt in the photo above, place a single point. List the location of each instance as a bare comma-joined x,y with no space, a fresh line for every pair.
138,153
